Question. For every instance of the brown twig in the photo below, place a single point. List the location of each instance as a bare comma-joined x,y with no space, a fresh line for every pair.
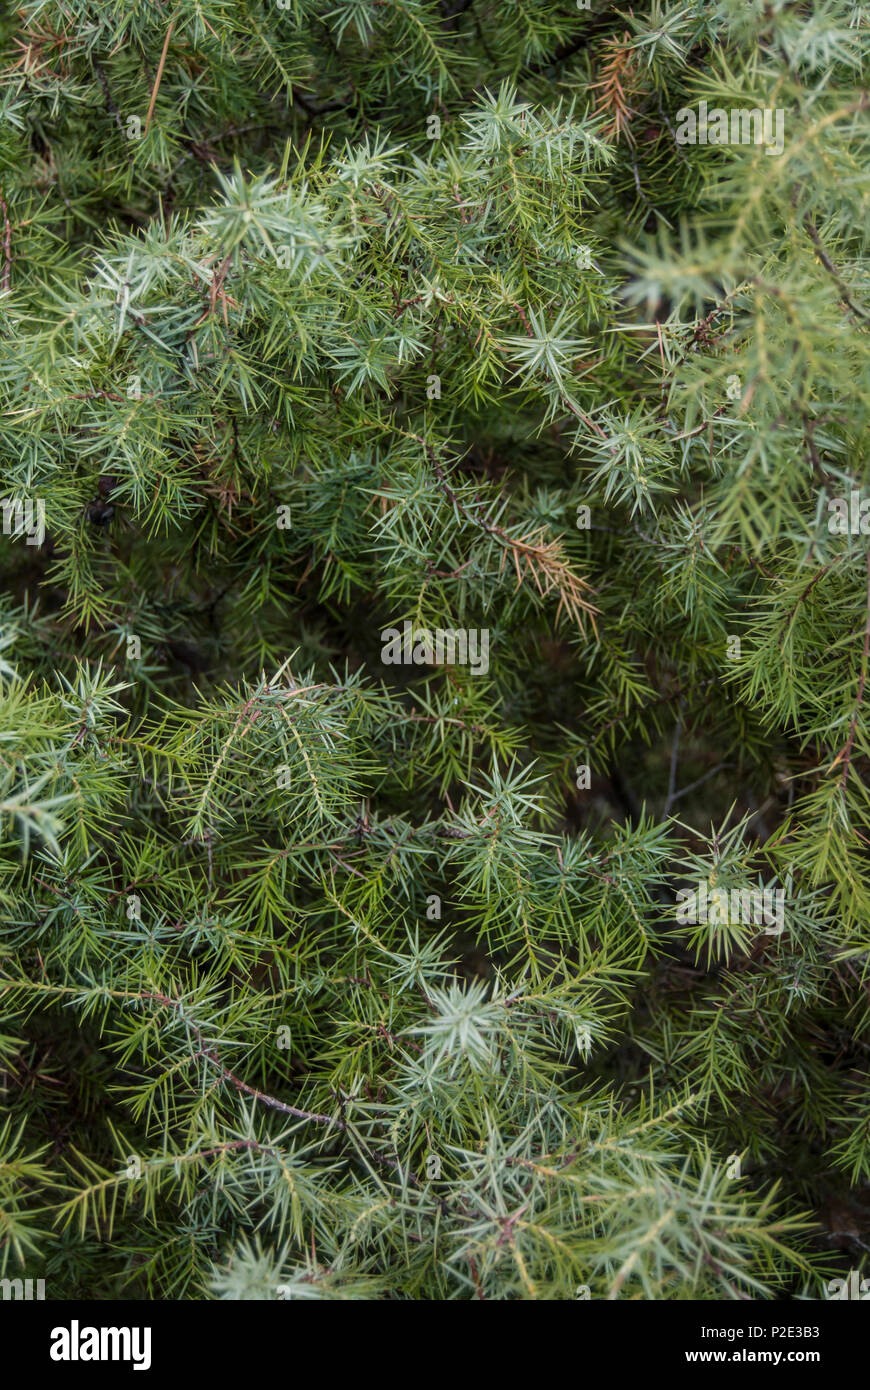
155,89
211,1056
790,614
846,754
832,269
532,556
7,246
333,1121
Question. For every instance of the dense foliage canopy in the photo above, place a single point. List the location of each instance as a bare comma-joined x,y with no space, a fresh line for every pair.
323,977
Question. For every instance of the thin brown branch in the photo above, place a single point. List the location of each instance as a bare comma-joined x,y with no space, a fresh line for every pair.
7,247
832,269
156,88
847,751
533,557
801,596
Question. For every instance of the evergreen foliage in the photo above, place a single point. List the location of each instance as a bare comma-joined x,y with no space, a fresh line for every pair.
325,978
